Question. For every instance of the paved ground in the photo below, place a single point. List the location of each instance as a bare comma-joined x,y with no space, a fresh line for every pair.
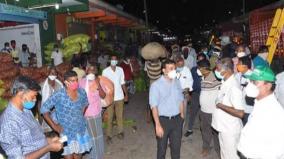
142,143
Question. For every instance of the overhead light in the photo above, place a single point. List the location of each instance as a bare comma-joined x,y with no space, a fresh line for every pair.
17,0
56,6
45,6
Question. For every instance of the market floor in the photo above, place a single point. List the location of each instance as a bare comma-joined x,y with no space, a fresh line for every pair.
141,144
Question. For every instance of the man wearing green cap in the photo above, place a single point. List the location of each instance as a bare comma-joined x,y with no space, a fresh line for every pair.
262,137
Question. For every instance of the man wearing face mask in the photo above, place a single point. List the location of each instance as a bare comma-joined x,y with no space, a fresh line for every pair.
56,56
261,58
116,75
186,81
244,68
25,56
196,86
216,53
69,103
128,74
204,50
49,86
226,118
189,59
166,101
6,48
262,137
95,93
20,134
209,90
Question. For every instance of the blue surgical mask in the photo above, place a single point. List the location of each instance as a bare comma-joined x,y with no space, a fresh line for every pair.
179,69
218,75
29,104
113,62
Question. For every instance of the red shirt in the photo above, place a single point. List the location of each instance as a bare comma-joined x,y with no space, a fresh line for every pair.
127,71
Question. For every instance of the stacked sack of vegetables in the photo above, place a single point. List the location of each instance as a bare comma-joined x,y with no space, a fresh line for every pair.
62,68
71,45
8,73
47,52
37,74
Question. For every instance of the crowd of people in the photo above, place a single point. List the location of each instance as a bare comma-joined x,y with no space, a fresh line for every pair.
241,107
237,96
22,56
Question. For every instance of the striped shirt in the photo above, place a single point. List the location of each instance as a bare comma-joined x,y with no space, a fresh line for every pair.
154,70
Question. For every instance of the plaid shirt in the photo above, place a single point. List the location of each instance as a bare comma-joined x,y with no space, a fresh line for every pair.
20,133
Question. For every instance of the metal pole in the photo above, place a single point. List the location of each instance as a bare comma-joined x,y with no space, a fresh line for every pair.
146,20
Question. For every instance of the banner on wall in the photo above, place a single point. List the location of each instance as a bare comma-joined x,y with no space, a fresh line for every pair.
23,34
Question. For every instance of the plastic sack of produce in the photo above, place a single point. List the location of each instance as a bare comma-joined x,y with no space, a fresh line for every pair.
108,87
6,66
9,73
49,46
78,38
5,58
153,50
68,51
47,55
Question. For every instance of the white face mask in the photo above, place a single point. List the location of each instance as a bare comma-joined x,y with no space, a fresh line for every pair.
263,56
241,54
91,77
198,72
113,62
252,90
216,53
172,74
52,77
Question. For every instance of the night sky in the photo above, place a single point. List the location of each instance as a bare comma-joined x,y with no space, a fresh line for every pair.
183,16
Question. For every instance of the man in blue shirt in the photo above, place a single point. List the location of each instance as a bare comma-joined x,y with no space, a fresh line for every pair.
6,48
21,135
166,101
261,58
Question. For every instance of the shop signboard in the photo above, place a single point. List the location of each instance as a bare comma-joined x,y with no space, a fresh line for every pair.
19,11
24,34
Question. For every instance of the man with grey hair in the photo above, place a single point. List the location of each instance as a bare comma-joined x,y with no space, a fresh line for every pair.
21,135
229,110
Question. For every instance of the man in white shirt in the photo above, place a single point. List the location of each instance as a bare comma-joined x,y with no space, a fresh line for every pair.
189,57
244,68
116,75
186,81
229,110
279,91
262,137
56,56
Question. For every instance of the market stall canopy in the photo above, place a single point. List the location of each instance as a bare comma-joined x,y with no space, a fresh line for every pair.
100,11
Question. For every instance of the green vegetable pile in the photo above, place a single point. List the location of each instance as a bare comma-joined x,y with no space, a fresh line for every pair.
71,45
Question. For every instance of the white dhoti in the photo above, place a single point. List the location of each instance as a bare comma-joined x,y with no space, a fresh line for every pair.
228,145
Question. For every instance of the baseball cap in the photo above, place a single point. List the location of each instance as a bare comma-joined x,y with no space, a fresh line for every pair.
261,73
